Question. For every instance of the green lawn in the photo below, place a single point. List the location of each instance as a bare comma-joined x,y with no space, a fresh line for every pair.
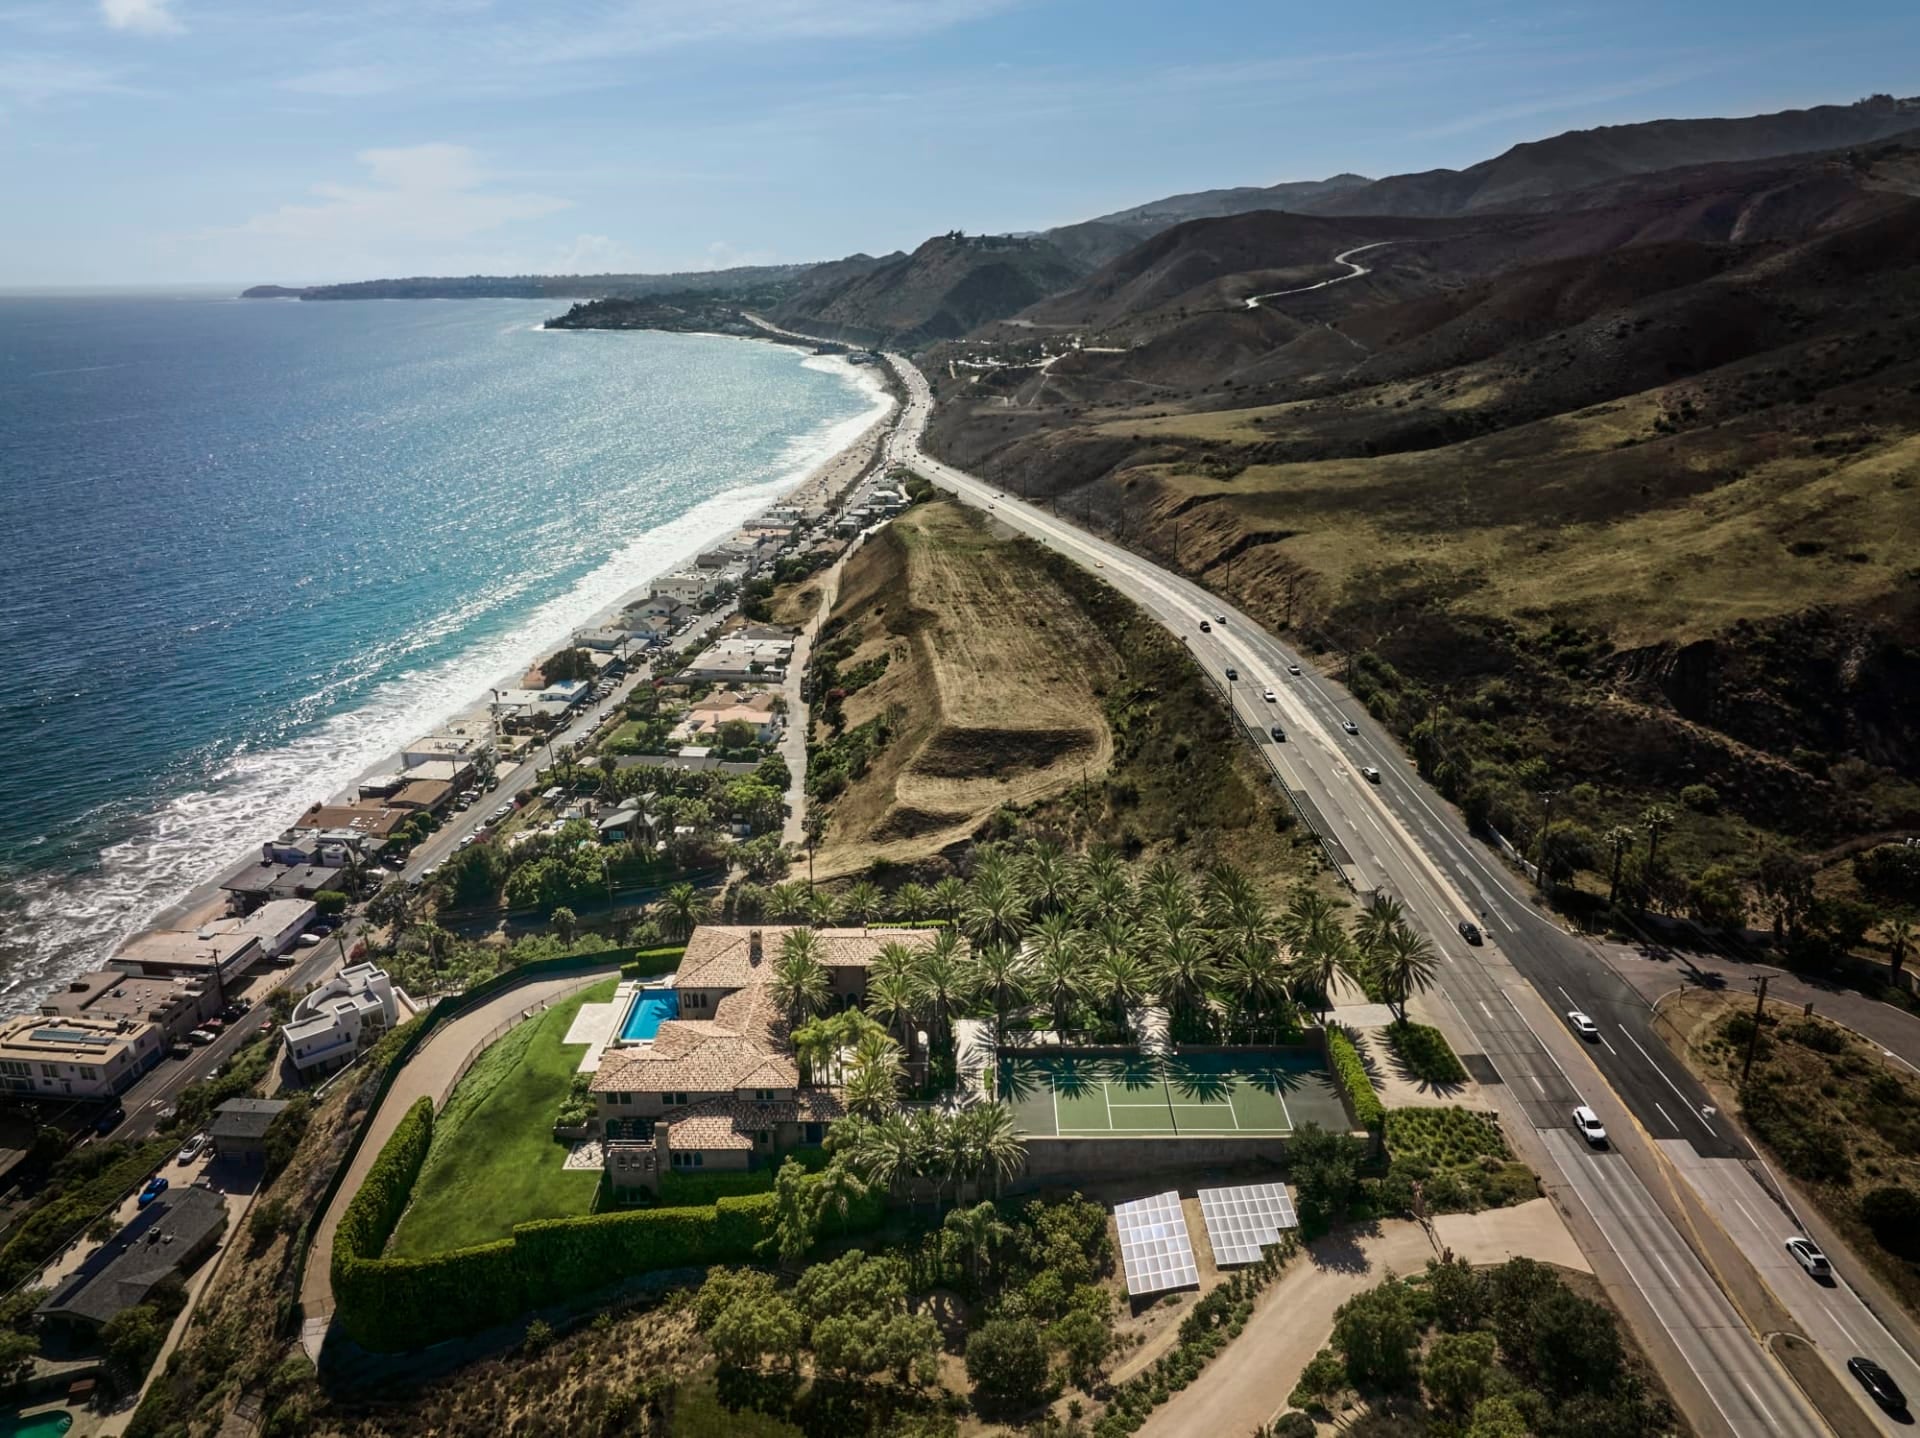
494,1160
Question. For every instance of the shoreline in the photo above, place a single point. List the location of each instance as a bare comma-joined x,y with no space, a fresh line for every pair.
808,485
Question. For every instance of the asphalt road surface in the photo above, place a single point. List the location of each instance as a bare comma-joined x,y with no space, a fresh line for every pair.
1395,833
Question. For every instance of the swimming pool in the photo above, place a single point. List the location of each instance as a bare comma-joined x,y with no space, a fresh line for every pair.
39,1425
650,1008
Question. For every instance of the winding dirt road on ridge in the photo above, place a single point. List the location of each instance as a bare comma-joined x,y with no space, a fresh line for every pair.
1354,272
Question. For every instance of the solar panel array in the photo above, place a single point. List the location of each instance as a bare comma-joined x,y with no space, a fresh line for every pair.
1242,1221
1155,1249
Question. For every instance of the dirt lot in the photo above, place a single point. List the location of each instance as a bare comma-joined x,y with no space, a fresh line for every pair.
994,674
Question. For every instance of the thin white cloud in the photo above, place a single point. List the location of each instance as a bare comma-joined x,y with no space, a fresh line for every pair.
417,205
145,17
30,79
350,81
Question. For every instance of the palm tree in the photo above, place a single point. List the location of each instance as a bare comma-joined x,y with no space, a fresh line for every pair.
872,1089
1226,894
1656,819
894,958
1181,971
1166,897
1059,966
1254,975
1000,974
998,1148
1119,979
684,909
861,902
950,898
1404,965
1101,865
996,911
1319,945
894,998
565,923
787,902
800,983
819,911
942,978
1620,840
1047,879
1899,932
928,1136
1105,897
884,1153
1381,916
814,1045
910,902
976,1232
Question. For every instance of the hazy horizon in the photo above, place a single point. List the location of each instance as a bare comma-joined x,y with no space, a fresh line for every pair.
169,142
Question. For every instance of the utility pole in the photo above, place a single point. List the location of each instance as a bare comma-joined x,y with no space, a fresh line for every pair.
1753,1039
1545,829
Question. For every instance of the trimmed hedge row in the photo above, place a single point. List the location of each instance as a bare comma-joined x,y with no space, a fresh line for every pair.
1426,1053
1351,1075
394,1304
648,963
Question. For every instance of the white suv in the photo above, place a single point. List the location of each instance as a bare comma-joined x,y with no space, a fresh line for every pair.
1591,1129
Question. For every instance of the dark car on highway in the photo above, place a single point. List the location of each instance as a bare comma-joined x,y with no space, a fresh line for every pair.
1470,931
1878,1383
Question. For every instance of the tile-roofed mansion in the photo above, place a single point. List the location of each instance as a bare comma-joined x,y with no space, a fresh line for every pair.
714,1084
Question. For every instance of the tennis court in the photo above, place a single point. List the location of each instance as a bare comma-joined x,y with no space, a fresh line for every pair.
1065,1095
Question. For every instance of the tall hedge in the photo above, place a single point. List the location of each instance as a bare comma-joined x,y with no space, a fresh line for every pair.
389,1304
1351,1075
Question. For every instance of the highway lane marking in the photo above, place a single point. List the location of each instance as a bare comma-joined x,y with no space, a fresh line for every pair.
1750,1218
1775,1422
1667,1116
1484,1009
1841,1326
1671,1084
1537,1084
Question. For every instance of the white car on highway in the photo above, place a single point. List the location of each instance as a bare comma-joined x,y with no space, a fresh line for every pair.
1582,1025
1591,1129
1268,695
1350,726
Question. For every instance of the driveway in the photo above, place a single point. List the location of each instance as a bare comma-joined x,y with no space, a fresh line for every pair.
1249,1383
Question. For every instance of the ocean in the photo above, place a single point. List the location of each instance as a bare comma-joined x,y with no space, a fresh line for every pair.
247,548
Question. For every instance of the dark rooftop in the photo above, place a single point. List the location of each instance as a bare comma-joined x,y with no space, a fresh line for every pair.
175,1230
245,1118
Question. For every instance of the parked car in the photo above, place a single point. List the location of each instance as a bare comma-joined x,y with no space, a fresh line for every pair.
1582,1025
190,1150
1279,734
214,1025
156,1186
1469,931
1350,726
1807,1254
1590,1127
1878,1383
309,940
110,1120
177,1051
200,1038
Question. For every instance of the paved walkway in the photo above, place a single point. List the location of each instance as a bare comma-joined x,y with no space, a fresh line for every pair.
430,1073
1249,1383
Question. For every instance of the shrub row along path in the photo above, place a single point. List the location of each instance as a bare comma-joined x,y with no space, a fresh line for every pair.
431,1073
1249,1383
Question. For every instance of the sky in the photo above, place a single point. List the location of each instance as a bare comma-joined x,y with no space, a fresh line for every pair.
148,142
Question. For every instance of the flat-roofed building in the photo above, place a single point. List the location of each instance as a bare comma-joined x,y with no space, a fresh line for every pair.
432,795
463,747
686,586
336,1021
256,884
75,1057
367,819
174,1005
219,950
239,1127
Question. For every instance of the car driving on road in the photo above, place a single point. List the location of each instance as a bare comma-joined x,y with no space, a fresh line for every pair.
1294,669
1268,695
1279,734
1232,673
1590,1127
1582,1025
1205,628
1878,1383
1469,931
1350,726
1369,773
1807,1254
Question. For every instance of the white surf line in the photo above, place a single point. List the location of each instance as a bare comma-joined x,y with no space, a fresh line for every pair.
1354,273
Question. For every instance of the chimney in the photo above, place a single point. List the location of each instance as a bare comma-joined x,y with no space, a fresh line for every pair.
753,949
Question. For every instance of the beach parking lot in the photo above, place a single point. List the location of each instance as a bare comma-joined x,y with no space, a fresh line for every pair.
1256,1092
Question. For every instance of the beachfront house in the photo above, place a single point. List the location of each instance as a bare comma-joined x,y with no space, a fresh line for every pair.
684,586
699,1074
176,1006
76,1057
735,660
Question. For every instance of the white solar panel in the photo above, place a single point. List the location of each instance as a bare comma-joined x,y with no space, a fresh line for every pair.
1155,1249
1242,1221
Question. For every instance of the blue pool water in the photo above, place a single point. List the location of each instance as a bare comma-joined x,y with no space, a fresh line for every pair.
650,1009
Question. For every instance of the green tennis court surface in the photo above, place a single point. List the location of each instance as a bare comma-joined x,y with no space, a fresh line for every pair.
1091,1096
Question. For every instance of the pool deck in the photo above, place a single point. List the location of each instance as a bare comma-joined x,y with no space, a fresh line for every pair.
597,1025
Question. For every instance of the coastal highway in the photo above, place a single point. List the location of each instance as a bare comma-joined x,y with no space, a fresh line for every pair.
1502,1001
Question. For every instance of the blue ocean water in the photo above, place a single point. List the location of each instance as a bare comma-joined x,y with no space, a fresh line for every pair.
249,547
